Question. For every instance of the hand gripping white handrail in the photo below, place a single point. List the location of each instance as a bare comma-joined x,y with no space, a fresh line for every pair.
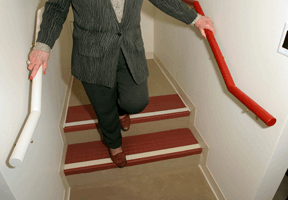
20,150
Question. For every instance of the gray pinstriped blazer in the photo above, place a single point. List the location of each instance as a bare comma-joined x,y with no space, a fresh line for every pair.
98,36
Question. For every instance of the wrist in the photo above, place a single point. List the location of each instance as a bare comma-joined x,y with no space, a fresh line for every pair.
42,47
196,19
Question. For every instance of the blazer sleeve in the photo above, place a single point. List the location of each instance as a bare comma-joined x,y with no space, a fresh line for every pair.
177,9
53,18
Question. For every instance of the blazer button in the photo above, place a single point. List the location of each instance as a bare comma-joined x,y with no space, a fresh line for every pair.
119,34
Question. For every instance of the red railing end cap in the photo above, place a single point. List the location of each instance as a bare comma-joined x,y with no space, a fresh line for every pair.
271,122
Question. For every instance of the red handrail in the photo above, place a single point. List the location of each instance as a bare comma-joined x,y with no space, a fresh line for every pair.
247,101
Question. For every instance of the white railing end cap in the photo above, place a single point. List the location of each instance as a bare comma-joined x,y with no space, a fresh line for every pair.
15,162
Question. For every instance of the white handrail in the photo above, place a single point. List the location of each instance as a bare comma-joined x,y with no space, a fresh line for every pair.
20,150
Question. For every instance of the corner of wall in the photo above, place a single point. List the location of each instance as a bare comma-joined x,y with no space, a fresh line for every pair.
205,148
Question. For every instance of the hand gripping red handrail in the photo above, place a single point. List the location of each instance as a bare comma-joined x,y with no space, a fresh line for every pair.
251,105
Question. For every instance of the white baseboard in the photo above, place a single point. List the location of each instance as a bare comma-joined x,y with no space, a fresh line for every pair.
205,152
211,181
66,104
149,55
62,175
67,194
65,145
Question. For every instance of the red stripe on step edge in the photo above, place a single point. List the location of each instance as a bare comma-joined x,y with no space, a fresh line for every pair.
165,102
80,113
158,103
132,162
81,127
132,145
133,121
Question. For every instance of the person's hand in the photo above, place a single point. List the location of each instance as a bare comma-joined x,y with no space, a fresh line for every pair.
38,58
205,23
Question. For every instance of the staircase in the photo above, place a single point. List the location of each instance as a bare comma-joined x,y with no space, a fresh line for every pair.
158,140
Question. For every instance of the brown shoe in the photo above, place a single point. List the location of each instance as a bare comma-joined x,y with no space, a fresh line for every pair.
125,123
119,159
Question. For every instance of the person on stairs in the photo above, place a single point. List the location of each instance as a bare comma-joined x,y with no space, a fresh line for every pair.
108,56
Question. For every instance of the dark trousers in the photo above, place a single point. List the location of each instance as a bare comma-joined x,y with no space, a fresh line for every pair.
126,97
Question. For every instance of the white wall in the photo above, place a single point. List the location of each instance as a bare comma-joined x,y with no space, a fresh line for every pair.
247,159
147,25
38,177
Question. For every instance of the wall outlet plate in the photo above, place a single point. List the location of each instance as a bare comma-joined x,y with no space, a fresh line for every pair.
283,46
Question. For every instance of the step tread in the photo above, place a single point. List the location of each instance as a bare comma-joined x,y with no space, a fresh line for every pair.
131,145
156,103
135,129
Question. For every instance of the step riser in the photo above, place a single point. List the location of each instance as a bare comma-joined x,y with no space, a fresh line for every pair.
135,129
128,172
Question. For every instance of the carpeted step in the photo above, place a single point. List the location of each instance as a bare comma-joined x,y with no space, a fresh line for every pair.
140,149
135,129
161,107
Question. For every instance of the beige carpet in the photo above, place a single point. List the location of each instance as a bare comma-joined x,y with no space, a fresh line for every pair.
186,183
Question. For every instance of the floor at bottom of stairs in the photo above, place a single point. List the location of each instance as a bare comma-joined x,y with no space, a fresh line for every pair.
186,183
